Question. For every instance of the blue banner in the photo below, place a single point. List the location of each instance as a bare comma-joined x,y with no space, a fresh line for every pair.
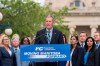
45,52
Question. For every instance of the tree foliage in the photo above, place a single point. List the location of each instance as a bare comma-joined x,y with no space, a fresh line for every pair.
26,17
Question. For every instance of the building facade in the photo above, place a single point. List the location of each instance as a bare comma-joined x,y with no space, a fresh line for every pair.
85,18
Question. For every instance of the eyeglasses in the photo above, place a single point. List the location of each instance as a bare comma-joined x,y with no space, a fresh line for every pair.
5,39
25,40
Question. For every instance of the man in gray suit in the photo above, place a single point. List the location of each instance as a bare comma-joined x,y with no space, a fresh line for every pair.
15,46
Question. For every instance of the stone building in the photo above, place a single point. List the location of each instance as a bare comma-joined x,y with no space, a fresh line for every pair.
85,18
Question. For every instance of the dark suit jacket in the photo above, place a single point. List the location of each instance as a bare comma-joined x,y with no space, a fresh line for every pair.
41,38
6,59
91,58
97,57
77,56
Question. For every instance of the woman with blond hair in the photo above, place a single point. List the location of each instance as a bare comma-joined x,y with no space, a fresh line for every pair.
1,37
7,56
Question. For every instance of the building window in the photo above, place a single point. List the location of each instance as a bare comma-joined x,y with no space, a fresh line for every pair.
93,3
77,3
83,4
50,3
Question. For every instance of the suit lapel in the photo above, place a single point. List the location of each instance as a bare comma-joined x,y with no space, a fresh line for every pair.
75,50
6,52
44,37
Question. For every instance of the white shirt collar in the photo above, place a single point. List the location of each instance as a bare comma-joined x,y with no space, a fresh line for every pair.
49,30
16,48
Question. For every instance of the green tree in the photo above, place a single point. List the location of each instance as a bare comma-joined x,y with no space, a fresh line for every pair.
27,17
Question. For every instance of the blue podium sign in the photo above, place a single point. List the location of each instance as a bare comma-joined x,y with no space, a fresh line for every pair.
45,52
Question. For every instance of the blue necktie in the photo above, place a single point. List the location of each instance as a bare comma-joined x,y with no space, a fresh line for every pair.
97,45
15,50
48,36
82,45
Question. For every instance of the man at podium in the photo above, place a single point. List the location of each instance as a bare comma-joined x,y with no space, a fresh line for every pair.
48,35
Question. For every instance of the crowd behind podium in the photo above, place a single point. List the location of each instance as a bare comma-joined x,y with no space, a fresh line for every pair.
85,50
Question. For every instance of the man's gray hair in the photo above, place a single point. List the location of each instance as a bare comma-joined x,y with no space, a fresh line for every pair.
50,16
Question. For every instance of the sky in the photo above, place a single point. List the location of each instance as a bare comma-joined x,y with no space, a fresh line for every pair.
40,1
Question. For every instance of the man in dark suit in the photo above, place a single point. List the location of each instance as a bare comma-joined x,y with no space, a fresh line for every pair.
48,35
82,38
97,52
97,55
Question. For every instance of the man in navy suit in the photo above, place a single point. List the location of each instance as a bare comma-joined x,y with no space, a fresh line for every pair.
82,38
97,39
97,57
97,52
48,35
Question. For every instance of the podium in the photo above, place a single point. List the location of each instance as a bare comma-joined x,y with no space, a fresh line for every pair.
45,52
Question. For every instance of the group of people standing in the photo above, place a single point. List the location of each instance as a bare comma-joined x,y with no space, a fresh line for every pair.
10,50
85,51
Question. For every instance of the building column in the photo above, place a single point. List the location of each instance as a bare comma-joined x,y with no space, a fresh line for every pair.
93,29
72,30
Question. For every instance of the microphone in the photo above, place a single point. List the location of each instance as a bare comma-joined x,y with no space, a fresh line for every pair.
40,36
44,34
55,33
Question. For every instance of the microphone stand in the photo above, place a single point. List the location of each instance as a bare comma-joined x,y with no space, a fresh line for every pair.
39,37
